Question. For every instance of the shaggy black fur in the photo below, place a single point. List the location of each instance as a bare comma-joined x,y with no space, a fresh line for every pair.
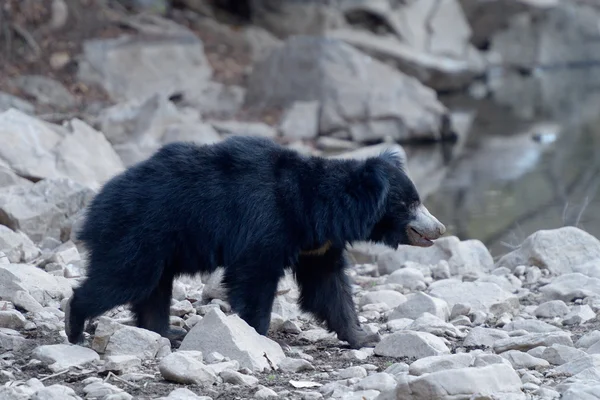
246,204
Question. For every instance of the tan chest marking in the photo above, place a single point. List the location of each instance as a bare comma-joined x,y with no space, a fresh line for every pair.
317,252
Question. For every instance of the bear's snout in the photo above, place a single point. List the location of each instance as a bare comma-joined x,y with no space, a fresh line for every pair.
424,228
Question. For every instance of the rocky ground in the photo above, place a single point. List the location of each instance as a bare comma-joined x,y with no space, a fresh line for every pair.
90,87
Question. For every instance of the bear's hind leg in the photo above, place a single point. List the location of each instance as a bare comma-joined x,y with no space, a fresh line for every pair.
326,293
251,290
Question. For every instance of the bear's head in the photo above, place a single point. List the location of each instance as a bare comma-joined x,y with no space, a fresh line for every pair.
405,220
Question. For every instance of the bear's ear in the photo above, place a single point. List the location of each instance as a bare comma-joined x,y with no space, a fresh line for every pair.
393,157
362,204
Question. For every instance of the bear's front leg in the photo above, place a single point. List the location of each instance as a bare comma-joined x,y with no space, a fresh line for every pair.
326,293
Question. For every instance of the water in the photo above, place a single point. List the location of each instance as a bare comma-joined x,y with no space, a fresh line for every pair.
531,165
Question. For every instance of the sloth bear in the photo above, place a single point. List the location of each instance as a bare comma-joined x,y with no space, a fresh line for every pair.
254,208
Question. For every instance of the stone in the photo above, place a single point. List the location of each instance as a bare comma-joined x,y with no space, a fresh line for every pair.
578,315
558,250
558,354
436,71
12,319
486,337
43,287
130,340
432,364
236,378
569,287
389,297
244,128
101,390
531,326
520,360
352,372
186,367
23,300
55,392
183,394
589,339
531,340
434,325
467,256
295,365
74,150
498,379
409,278
354,91
551,309
42,209
134,67
419,303
578,365
11,340
45,90
234,338
63,356
8,101
380,381
265,393
481,296
301,120
17,246
411,344
122,363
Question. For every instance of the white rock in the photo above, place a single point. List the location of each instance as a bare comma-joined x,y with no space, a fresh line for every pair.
122,363
43,287
579,315
295,365
498,380
568,287
234,338
529,341
531,326
591,362
186,367
411,344
16,246
353,372
389,297
101,390
12,319
408,278
11,340
265,393
419,303
301,120
558,250
74,151
483,360
243,128
380,381
520,360
440,363
44,208
236,378
62,356
130,340
361,395
479,336
434,325
462,256
558,354
482,296
183,394
311,68
55,392
588,339
551,309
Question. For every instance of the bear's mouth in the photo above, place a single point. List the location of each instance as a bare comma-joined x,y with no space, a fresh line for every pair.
417,239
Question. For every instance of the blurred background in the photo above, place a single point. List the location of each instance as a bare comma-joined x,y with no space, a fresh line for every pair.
496,103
